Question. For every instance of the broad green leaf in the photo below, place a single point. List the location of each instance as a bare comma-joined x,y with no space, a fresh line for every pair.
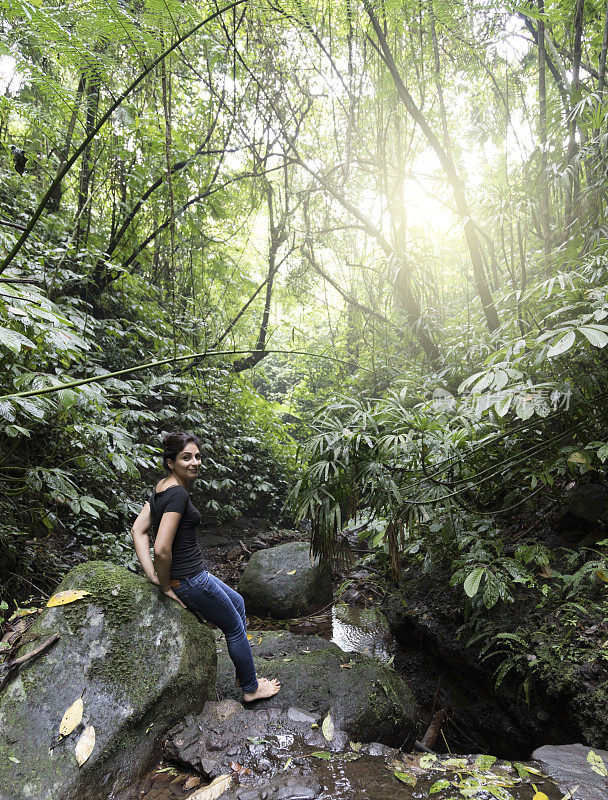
579,458
406,777
473,580
597,338
455,763
502,405
14,341
562,345
439,785
485,762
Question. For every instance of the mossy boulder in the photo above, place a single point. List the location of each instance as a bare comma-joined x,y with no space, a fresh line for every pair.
365,698
283,582
140,663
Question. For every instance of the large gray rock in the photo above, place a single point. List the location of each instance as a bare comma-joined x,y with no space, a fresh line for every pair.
568,766
589,503
283,583
140,663
365,698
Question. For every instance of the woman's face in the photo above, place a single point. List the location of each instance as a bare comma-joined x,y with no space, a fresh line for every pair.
187,464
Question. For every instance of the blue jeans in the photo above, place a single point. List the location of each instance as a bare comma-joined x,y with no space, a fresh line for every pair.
225,608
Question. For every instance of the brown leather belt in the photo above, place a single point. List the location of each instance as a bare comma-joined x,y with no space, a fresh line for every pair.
174,584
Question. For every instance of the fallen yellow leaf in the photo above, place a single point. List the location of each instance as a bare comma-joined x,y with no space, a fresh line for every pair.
71,718
540,796
328,728
293,572
213,790
66,597
84,746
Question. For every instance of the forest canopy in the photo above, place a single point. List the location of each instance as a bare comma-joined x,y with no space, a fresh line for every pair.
360,248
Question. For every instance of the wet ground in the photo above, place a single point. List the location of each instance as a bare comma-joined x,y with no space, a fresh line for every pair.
288,768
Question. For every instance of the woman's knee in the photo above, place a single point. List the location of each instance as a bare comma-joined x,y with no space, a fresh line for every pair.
234,629
239,603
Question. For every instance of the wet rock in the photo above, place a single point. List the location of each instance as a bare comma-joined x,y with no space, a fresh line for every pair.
362,630
139,662
282,582
297,715
568,766
280,787
365,698
589,503
225,733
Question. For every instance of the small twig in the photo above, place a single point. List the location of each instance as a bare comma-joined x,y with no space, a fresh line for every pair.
13,666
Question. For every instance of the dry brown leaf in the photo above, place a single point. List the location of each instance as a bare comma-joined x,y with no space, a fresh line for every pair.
84,746
62,598
216,788
72,717
192,782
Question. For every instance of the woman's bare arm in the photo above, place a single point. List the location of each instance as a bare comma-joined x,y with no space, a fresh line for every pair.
139,532
157,572
162,551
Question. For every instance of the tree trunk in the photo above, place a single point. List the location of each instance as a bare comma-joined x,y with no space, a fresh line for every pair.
544,210
449,168
278,236
572,188
83,213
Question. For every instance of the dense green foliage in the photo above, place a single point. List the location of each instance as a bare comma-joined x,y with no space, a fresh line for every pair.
390,221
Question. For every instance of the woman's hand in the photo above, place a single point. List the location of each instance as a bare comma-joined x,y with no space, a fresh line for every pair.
170,593
153,578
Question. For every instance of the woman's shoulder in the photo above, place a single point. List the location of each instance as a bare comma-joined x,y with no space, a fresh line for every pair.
172,488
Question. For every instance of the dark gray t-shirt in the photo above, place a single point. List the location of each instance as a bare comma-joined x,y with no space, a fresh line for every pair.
187,559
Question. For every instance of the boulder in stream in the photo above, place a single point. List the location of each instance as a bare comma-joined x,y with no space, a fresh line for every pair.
138,661
283,583
567,764
365,698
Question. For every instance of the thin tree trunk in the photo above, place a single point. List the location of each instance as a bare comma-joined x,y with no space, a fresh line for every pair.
601,83
449,168
544,211
278,236
83,213
572,188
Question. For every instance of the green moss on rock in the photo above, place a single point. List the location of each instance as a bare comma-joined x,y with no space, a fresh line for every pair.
140,662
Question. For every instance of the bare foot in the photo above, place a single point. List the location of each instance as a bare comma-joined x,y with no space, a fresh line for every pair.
265,688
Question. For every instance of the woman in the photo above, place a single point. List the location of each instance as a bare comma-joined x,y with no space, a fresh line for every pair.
178,567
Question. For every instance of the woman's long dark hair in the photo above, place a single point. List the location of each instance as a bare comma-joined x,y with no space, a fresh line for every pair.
174,443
